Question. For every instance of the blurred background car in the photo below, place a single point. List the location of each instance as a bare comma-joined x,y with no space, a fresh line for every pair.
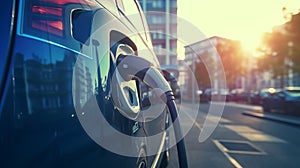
206,95
285,100
214,94
225,94
256,97
238,95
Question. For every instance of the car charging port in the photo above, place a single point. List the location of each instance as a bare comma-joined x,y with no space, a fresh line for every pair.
130,66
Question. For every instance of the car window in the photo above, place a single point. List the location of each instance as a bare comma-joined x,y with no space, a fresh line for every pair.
295,92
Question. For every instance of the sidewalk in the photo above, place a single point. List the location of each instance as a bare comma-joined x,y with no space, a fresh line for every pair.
257,111
283,118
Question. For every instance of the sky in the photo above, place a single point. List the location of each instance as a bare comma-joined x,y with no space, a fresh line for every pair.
244,20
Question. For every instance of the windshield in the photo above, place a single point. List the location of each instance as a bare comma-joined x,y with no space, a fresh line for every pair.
294,92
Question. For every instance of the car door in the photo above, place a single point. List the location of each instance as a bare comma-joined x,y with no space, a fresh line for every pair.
155,116
7,26
277,100
280,100
53,78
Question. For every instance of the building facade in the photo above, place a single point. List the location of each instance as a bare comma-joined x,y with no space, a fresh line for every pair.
205,51
162,21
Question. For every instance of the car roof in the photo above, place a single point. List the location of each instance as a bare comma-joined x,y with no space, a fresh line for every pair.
289,88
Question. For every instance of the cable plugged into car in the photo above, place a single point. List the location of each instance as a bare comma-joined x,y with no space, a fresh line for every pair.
134,67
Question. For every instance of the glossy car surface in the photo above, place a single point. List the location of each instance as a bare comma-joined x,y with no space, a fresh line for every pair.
57,57
238,95
284,100
215,95
258,96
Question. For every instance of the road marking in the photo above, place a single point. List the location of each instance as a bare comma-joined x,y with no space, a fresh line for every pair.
191,118
245,106
207,117
251,107
215,118
241,129
261,138
231,159
253,134
254,151
195,122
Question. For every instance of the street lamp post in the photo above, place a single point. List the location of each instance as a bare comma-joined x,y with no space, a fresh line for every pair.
193,83
194,80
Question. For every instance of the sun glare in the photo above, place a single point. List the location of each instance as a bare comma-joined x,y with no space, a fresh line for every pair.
251,42
249,45
245,21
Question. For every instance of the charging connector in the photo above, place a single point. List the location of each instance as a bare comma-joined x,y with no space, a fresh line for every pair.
130,67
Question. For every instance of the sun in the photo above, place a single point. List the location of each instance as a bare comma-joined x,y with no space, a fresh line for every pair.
251,43
245,21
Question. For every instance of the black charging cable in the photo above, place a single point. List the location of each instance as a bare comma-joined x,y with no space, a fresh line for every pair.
177,130
130,67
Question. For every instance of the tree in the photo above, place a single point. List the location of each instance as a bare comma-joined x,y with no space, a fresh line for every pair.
293,31
276,54
280,47
233,60
202,75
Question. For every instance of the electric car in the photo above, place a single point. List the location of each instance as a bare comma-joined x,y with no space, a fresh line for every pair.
57,67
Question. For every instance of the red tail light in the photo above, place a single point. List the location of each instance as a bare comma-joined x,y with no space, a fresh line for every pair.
53,27
46,10
40,19
63,2
48,15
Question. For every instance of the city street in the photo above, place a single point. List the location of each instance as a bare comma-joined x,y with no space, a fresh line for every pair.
241,139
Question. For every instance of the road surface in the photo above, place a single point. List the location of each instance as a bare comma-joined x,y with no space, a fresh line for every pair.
239,139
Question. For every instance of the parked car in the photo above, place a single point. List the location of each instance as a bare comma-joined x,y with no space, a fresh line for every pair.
284,100
239,95
256,97
57,58
224,93
205,96
215,94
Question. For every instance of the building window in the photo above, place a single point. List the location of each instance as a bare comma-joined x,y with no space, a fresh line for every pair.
160,34
158,46
154,35
157,4
173,4
173,60
157,19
